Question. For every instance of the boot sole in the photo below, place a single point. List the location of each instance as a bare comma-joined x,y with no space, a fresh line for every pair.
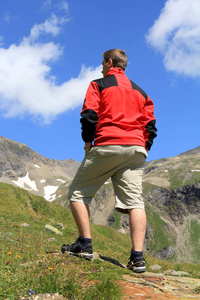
137,270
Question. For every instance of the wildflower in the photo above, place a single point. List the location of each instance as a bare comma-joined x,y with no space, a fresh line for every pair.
51,268
17,255
31,292
9,253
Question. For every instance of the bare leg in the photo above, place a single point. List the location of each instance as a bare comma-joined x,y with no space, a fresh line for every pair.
81,215
137,220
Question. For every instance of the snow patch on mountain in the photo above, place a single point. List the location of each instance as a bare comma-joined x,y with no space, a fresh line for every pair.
25,181
63,181
42,180
50,192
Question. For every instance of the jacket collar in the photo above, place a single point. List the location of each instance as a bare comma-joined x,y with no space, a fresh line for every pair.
116,70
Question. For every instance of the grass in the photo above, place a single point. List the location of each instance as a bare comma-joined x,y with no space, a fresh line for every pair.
115,219
31,261
194,230
149,187
197,290
106,289
160,238
30,258
178,177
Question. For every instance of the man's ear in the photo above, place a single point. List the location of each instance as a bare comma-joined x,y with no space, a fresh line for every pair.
110,63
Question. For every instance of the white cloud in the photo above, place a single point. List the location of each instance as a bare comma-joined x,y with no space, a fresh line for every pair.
51,26
176,34
58,6
65,6
47,2
26,84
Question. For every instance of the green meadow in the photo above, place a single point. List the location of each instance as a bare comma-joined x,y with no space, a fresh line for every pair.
31,262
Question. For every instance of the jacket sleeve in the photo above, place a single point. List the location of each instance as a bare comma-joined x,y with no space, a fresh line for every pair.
89,112
149,123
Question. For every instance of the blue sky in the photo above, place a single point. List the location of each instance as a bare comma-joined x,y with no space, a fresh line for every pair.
50,50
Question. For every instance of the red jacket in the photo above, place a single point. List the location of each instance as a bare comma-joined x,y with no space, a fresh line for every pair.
117,112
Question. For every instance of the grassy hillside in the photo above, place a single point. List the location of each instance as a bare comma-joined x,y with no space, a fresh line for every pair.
160,238
31,261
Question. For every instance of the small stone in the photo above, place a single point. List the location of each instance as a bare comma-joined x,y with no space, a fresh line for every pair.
48,296
177,273
24,225
53,229
155,268
51,240
60,225
8,234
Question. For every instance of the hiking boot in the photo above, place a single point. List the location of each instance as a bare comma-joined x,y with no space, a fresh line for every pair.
77,249
137,265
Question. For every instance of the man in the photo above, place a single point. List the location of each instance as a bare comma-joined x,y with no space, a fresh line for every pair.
118,117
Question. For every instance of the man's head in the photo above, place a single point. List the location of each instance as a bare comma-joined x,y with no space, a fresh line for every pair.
112,59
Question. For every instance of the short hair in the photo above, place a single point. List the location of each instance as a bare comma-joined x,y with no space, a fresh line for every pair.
118,57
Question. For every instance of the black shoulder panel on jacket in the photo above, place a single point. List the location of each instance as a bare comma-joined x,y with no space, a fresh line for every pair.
136,87
106,82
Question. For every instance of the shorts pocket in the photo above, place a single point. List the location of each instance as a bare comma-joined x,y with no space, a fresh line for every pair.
106,152
142,150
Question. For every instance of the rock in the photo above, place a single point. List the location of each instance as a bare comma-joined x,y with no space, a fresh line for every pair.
177,273
49,297
53,229
165,252
29,263
160,286
51,239
8,234
155,268
46,296
60,225
24,225
122,230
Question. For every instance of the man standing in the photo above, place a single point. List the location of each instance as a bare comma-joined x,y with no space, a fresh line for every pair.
118,128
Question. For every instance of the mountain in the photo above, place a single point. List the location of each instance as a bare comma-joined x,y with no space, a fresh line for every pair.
174,172
22,167
171,191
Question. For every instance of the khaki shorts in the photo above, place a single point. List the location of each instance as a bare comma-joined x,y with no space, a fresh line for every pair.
123,164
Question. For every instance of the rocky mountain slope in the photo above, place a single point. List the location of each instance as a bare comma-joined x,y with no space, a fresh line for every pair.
22,167
171,190
174,172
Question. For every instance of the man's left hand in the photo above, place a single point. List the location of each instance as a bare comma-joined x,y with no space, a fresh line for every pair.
88,146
